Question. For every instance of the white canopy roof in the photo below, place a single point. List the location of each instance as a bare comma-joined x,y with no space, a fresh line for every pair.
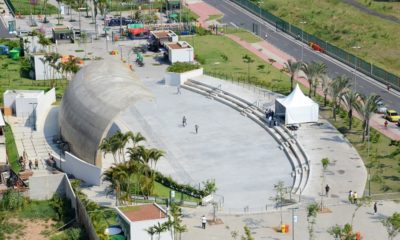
297,108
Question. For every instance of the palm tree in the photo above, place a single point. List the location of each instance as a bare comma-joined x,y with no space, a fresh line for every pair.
105,147
44,42
137,138
247,59
119,177
310,70
151,231
336,89
320,73
365,108
169,226
349,99
292,67
312,211
159,228
325,82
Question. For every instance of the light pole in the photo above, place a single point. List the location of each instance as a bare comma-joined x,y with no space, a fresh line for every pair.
355,68
294,220
302,39
369,169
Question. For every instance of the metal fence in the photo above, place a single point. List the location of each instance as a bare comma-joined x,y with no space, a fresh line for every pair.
361,65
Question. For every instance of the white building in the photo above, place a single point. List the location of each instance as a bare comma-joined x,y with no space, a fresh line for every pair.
32,104
180,51
135,219
42,70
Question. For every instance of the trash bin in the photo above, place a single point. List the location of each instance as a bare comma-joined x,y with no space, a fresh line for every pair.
14,54
284,228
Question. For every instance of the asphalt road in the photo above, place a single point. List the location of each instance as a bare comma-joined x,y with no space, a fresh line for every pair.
236,16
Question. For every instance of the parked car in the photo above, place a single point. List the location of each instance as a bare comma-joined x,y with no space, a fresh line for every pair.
381,107
392,115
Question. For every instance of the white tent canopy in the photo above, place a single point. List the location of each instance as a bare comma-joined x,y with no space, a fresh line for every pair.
296,108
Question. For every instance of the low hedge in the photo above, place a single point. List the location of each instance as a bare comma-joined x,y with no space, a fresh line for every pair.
183,188
180,67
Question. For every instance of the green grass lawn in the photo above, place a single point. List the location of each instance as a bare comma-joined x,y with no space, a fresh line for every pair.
243,34
164,192
11,148
345,27
387,8
214,17
24,7
220,56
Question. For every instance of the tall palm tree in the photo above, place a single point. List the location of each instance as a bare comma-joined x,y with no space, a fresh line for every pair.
349,99
320,69
310,70
137,138
105,147
119,177
365,108
292,67
151,231
325,83
336,90
248,60
159,228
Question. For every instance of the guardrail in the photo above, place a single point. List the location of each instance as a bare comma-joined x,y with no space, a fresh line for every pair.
349,59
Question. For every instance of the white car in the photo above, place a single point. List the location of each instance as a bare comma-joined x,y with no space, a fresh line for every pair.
381,107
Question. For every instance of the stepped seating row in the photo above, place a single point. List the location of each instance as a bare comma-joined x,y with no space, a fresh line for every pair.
291,147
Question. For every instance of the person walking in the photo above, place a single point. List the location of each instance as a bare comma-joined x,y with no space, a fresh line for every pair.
184,121
270,121
30,164
178,90
388,87
203,222
386,123
375,207
36,164
196,128
355,197
351,196
327,188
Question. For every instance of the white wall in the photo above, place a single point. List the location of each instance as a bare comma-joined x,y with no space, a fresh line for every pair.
44,72
24,106
87,172
176,79
44,187
45,102
138,231
181,55
9,99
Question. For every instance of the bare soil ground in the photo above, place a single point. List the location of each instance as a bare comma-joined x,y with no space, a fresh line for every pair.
33,229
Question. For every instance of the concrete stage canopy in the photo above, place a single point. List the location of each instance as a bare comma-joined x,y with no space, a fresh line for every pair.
94,98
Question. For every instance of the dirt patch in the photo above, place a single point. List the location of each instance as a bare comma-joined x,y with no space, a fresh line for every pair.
32,229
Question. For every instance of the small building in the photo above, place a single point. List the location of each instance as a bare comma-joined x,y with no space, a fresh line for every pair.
160,37
62,34
42,70
32,105
135,219
180,51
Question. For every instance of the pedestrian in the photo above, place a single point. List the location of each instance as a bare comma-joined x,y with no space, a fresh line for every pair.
272,113
355,197
270,121
351,196
266,35
36,164
388,87
327,188
178,90
196,128
375,207
203,222
184,121
30,164
386,123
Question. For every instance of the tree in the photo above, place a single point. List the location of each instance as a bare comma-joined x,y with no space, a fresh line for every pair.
392,225
44,42
320,73
310,70
279,196
325,82
247,234
342,233
349,99
210,186
312,211
248,60
365,108
360,202
292,67
106,147
159,228
151,231
336,89
325,164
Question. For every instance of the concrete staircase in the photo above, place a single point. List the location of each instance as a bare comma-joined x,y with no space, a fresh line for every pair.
292,148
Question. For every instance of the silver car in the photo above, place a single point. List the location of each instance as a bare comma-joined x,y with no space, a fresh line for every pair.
381,107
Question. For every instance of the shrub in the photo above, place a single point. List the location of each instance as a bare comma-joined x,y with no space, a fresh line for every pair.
180,67
12,200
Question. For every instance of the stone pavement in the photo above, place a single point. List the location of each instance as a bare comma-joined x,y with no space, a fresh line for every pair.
263,226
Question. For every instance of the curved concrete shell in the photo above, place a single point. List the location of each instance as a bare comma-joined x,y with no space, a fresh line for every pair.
95,96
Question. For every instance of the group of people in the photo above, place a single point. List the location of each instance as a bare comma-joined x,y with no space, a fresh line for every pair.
270,115
184,124
353,197
31,164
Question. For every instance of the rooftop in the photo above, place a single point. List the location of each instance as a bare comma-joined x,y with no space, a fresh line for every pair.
179,45
143,212
162,33
26,93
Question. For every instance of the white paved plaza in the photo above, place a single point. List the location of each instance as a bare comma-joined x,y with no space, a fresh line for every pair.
241,156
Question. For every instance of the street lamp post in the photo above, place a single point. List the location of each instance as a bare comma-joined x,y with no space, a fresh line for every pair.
302,39
294,219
